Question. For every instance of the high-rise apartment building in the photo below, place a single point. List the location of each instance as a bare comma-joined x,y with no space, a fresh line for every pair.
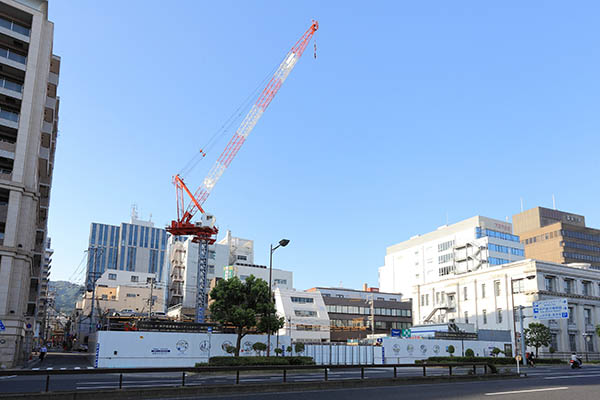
473,244
137,246
557,236
28,129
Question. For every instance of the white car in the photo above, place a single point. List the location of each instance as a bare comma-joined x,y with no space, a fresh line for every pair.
125,313
158,315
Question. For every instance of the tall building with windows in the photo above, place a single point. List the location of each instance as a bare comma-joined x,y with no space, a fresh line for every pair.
137,246
28,130
473,244
557,236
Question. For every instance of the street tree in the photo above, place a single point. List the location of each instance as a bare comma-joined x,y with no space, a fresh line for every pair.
246,306
537,335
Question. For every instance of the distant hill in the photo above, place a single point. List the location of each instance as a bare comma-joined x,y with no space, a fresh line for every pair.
66,295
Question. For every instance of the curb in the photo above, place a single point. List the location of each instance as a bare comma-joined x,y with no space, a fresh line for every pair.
176,392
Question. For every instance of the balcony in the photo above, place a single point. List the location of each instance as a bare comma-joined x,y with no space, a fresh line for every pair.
13,29
5,174
9,118
11,89
13,59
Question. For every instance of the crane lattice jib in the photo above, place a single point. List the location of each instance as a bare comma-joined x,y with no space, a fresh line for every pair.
246,126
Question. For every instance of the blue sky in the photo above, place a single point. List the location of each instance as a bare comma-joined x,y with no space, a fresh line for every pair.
412,113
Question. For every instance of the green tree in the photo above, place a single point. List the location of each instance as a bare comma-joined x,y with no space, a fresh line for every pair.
469,353
289,349
496,351
230,349
598,330
278,351
537,335
259,347
245,306
299,347
451,350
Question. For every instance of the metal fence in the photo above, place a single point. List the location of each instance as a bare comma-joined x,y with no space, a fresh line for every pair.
321,372
566,356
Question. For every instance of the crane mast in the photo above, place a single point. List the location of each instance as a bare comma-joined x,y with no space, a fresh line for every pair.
205,233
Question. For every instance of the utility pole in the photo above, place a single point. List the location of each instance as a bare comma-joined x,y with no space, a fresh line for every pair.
93,281
373,314
151,298
522,336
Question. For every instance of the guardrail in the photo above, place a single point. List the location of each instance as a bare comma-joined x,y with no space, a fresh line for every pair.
283,370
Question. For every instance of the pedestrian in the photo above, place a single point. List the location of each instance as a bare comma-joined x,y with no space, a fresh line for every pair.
43,352
530,361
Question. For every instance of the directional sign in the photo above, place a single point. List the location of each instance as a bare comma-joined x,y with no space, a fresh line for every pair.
2,327
551,309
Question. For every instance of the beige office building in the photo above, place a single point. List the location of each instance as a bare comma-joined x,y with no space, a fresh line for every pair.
557,236
28,129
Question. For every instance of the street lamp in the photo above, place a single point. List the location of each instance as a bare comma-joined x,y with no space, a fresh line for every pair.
282,243
512,294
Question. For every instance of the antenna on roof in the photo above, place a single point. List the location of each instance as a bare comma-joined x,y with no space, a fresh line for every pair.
553,202
521,204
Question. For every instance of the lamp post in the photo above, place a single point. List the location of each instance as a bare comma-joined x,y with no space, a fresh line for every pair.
282,243
512,294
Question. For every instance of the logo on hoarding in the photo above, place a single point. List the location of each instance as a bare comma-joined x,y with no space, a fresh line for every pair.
436,348
182,346
423,349
247,346
204,346
160,351
396,348
226,344
410,348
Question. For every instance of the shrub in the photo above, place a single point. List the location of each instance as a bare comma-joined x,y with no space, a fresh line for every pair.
299,347
259,347
469,353
289,349
278,351
491,360
451,350
247,361
496,351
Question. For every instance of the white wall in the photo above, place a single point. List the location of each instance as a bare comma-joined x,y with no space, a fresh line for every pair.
169,349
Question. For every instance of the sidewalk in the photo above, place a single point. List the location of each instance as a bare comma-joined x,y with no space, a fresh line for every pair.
58,360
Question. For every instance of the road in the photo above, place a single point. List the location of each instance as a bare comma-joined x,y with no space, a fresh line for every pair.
548,381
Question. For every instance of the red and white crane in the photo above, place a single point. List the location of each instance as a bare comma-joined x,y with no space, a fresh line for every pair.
205,234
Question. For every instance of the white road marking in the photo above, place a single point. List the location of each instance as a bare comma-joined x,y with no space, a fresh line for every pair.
528,391
77,367
7,377
35,369
572,376
49,368
63,368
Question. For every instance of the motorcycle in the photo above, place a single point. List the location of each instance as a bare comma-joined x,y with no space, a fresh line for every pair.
575,364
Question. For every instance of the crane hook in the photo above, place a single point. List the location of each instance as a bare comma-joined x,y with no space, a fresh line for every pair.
315,49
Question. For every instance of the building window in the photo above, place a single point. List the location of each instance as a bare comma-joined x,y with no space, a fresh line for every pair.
483,290
549,282
280,281
587,288
422,299
211,269
437,298
571,316
131,295
499,315
569,283
149,280
112,277
465,295
572,342
497,288
113,297
341,296
104,297
587,316
518,286
243,258
135,278
554,341
427,299
302,299
305,313
484,314
466,317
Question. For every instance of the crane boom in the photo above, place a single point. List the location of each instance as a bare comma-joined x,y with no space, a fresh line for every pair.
185,214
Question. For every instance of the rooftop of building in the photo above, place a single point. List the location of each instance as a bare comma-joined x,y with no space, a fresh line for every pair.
539,217
446,230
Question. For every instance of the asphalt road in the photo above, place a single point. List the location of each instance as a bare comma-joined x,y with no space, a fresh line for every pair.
549,382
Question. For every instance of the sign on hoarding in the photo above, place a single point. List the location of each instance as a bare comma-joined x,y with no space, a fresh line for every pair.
551,309
396,332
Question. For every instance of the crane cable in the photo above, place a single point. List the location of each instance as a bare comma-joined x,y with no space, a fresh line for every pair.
220,132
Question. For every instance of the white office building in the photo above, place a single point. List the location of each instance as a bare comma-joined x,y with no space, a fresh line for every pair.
305,314
487,297
473,244
228,257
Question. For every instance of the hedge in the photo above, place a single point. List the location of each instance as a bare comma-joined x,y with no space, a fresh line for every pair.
491,360
242,361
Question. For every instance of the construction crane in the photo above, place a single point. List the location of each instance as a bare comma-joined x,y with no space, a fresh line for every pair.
204,232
